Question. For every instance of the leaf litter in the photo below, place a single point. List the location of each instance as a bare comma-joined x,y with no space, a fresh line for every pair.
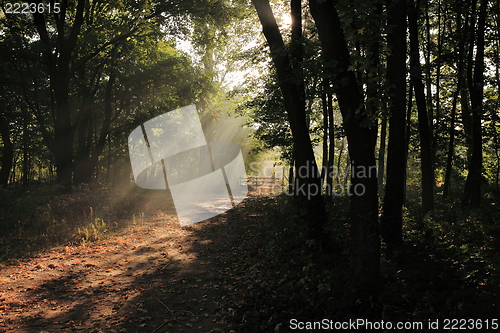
157,277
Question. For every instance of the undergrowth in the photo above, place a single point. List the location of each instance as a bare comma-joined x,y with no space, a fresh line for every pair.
446,268
36,217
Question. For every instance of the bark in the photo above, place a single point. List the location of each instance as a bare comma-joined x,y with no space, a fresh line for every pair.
408,132
392,217
437,118
85,133
381,158
364,208
472,191
427,56
26,145
324,164
451,142
58,66
7,153
423,123
88,158
338,173
308,192
331,135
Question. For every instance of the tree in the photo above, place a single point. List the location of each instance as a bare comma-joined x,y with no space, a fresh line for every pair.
475,80
71,68
392,218
308,189
423,122
462,33
360,135
7,152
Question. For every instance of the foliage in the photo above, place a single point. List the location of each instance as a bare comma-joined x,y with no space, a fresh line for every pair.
35,217
93,232
446,269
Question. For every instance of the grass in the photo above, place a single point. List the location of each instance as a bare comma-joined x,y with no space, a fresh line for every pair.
34,218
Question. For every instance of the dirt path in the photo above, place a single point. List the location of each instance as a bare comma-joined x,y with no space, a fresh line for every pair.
153,277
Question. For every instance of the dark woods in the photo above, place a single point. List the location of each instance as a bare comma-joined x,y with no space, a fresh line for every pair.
337,89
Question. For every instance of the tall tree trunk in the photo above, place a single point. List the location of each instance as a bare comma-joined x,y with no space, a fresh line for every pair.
381,158
462,32
472,190
85,133
26,145
392,217
58,65
339,159
291,176
364,206
408,133
497,78
106,125
324,165
331,135
87,162
427,56
308,192
437,117
423,123
7,153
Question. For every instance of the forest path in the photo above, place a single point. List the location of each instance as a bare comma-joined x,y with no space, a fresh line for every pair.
152,277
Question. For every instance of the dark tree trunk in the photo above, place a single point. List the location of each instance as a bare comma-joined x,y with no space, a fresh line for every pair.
85,133
423,122
437,117
26,145
381,158
87,161
291,176
7,153
364,206
408,132
58,65
331,135
472,191
308,191
392,217
339,173
451,143
324,164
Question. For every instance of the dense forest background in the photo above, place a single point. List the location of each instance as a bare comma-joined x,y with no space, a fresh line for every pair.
326,90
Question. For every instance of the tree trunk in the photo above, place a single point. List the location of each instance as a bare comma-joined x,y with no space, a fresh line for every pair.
408,133
85,133
339,159
87,162
7,153
331,135
26,145
381,158
324,163
462,32
364,206
392,217
308,191
437,118
58,65
423,123
472,190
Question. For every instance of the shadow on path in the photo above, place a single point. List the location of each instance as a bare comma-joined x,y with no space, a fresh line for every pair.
154,277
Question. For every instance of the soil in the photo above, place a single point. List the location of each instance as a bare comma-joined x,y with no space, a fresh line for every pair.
152,276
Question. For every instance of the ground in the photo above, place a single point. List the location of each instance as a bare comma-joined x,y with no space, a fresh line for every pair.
152,276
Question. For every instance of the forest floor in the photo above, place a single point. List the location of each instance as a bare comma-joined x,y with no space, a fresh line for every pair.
152,276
